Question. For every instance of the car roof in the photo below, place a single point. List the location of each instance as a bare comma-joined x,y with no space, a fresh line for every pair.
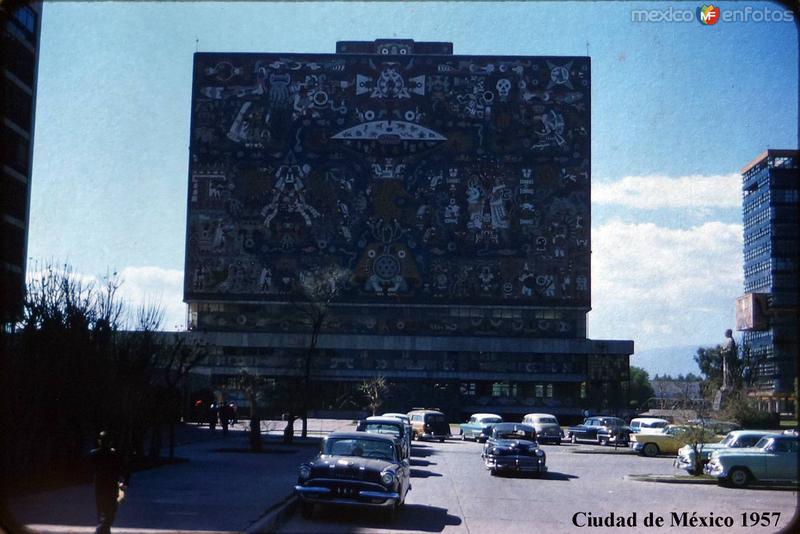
394,414
539,415
360,435
423,411
649,420
483,415
382,419
757,432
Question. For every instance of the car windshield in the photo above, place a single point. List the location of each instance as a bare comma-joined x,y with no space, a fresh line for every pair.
491,420
382,428
514,434
546,420
435,418
762,443
366,448
728,440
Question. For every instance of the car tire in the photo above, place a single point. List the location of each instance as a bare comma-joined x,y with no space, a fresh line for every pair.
738,477
441,440
493,472
307,510
573,439
558,442
602,441
650,450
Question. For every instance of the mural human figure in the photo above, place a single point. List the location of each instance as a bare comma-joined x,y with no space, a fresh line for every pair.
729,355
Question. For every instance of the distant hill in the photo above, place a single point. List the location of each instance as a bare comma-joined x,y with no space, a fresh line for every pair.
677,360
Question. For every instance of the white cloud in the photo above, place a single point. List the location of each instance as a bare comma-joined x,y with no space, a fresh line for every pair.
656,191
663,286
154,285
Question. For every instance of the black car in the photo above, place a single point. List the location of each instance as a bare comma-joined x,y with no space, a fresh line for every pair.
512,448
355,469
600,429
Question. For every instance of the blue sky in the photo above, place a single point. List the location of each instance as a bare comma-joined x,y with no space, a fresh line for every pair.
678,108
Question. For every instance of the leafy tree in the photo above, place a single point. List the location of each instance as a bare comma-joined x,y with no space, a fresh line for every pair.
710,362
640,388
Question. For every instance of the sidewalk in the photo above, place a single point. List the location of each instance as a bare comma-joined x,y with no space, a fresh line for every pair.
221,488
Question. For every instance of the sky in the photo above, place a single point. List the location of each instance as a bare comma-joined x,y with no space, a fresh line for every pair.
678,108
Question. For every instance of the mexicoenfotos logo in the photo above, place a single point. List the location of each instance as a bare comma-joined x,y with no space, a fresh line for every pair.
708,15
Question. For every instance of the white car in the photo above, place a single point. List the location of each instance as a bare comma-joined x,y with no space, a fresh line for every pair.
736,439
645,424
406,421
772,459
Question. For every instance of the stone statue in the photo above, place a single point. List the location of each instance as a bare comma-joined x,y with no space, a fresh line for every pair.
730,361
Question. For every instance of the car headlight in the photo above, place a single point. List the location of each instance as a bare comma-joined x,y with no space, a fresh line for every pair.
305,471
387,478
539,452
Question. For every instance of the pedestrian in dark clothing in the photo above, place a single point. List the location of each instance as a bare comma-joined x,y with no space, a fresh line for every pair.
109,477
212,416
224,418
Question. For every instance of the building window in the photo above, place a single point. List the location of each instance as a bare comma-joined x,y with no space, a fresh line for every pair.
549,391
539,390
468,389
504,389
583,390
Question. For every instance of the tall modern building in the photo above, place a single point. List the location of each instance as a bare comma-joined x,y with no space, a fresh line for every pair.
444,202
19,55
769,311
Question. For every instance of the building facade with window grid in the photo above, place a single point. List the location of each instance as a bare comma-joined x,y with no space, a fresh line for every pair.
19,55
770,208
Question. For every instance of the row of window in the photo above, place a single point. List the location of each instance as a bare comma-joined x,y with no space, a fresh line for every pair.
757,235
757,219
754,252
759,284
750,204
757,268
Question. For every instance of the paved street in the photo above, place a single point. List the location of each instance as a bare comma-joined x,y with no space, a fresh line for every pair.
452,492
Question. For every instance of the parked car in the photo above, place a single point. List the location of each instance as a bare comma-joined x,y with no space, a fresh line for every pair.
405,419
479,426
390,426
546,426
644,424
428,424
355,469
670,439
512,448
588,430
736,439
772,459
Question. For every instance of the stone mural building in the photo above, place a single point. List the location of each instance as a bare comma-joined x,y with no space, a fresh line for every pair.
442,202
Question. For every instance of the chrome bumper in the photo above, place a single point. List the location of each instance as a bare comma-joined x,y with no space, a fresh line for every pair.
525,466
326,495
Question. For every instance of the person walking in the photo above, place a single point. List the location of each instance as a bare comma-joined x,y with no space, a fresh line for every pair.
110,477
224,418
212,416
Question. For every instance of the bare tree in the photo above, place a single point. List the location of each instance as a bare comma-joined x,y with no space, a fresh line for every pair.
314,294
374,390
252,385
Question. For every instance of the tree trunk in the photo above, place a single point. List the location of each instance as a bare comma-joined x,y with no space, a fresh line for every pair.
172,440
288,432
255,434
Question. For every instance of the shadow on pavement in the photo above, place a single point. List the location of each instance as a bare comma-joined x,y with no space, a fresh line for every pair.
555,475
411,517
422,473
421,463
419,452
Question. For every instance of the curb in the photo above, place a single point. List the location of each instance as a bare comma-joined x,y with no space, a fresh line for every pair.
276,515
672,479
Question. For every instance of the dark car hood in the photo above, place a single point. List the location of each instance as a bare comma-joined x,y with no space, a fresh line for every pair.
348,467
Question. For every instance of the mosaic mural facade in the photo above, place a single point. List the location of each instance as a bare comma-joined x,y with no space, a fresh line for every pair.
429,179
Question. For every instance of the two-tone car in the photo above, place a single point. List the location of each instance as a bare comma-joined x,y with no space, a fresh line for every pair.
390,426
479,426
597,429
668,440
428,424
772,459
736,439
547,428
512,448
355,469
